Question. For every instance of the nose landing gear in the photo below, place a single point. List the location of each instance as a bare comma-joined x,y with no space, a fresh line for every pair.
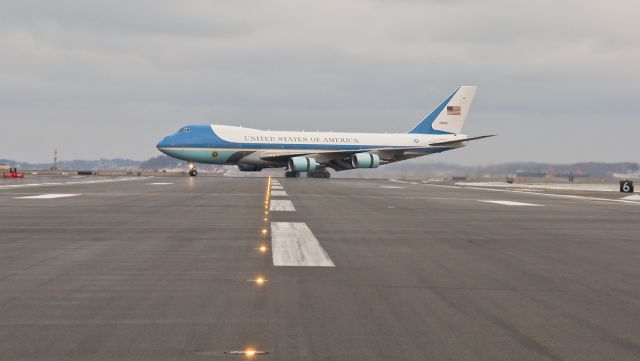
192,170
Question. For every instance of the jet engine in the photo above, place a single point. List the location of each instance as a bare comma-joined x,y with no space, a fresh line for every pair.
365,160
302,164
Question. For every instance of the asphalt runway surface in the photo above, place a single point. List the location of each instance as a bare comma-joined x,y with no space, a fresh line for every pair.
167,269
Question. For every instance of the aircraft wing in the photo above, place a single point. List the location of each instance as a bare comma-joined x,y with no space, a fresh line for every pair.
339,160
329,154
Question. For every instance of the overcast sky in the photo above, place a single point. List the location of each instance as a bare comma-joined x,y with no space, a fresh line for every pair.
559,80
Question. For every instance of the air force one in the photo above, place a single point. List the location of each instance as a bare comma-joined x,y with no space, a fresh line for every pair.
313,152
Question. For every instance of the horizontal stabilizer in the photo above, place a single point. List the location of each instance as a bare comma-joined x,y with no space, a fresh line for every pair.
453,142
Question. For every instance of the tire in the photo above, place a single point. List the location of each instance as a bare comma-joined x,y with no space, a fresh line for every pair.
193,172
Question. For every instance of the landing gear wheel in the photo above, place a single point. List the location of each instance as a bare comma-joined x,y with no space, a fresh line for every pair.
319,174
290,174
193,172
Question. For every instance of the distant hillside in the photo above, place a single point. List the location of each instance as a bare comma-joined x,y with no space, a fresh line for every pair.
101,164
156,163
162,162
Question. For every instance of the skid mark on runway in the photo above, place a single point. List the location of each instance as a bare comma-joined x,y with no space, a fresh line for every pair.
511,203
49,196
278,193
282,205
293,244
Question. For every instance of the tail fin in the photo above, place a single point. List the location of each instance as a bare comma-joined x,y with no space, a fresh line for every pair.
448,117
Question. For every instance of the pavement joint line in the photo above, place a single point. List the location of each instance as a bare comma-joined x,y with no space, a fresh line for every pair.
442,185
511,203
49,196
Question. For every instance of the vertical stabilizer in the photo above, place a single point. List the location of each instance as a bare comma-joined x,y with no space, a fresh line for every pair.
448,117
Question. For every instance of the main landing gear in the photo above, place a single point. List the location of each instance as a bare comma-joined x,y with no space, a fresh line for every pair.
323,173
192,170
292,174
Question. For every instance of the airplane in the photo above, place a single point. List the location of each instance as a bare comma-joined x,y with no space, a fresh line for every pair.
314,152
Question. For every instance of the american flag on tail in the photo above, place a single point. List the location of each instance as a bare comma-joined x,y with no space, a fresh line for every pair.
453,110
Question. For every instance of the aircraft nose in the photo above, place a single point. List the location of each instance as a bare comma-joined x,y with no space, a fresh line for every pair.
162,144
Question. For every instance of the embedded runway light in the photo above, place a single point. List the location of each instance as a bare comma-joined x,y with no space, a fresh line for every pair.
264,231
266,219
248,353
259,280
262,249
266,212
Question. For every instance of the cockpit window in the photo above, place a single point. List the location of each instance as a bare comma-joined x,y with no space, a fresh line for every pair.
185,130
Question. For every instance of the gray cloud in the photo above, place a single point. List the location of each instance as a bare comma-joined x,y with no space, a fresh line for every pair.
558,80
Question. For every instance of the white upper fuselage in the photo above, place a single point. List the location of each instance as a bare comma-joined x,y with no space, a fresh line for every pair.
326,140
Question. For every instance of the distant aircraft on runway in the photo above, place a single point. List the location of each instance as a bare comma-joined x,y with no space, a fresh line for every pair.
313,152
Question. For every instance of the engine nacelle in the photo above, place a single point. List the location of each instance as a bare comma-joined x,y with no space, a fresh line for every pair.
365,160
249,168
302,164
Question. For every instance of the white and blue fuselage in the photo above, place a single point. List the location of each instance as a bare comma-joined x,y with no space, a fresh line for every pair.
254,149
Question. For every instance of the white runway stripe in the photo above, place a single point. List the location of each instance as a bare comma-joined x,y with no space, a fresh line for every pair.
293,244
281,205
278,193
511,203
277,187
391,187
159,184
67,183
48,196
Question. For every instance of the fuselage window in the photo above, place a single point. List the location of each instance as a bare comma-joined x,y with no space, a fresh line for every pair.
185,130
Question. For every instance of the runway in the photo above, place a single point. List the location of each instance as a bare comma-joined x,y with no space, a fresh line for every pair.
167,268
